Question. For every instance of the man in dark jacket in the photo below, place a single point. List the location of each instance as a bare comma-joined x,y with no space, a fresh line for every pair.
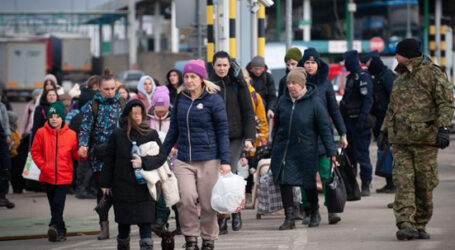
318,71
5,166
355,107
241,121
383,79
263,83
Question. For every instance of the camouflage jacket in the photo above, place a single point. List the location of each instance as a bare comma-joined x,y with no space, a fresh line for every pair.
420,103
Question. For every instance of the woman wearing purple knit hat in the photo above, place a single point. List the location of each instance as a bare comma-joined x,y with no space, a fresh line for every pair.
199,127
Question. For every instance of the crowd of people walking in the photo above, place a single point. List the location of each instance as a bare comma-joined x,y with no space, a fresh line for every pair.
210,119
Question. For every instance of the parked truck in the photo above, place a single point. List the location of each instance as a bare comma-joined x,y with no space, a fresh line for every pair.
23,65
71,57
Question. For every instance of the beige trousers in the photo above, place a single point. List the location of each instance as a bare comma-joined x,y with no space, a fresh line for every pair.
196,180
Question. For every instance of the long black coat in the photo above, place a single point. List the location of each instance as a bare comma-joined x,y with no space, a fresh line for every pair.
132,202
295,139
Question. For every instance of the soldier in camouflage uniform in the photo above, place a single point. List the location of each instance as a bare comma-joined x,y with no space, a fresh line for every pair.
420,110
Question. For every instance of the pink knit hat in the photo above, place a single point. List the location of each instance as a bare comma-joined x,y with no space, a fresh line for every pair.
161,96
197,67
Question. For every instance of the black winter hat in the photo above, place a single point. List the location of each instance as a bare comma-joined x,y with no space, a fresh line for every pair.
309,54
408,48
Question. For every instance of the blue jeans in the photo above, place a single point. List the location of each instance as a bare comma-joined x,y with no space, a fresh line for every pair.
358,149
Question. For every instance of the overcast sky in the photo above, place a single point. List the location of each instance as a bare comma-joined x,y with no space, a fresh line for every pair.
49,5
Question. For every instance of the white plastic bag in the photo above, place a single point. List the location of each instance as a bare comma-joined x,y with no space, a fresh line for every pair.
228,194
31,171
243,170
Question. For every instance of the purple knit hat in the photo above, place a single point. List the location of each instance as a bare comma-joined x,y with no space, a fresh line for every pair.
161,97
197,67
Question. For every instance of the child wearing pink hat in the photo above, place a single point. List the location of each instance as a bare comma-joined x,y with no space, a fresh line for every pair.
160,118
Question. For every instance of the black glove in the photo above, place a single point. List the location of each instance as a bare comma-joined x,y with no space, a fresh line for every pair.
383,140
443,138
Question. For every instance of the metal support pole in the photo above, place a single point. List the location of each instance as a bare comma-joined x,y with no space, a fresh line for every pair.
408,20
174,30
210,35
157,26
224,34
426,24
199,29
348,26
307,20
261,30
100,36
438,14
278,20
254,34
132,43
232,37
288,24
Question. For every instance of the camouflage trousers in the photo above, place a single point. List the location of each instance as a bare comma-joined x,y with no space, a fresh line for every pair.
415,175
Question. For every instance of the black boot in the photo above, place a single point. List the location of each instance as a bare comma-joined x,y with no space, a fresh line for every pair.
334,218
365,188
104,230
298,211
159,225
222,224
123,244
191,243
289,220
52,233
236,221
306,216
208,245
423,235
6,203
315,217
407,234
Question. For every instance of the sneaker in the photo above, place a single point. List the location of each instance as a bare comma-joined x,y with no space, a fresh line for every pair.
390,205
365,188
52,234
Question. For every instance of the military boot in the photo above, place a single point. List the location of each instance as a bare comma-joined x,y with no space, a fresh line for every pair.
289,220
407,234
423,235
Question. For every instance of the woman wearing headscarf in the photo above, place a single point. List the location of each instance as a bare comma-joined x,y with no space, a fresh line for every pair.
145,89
